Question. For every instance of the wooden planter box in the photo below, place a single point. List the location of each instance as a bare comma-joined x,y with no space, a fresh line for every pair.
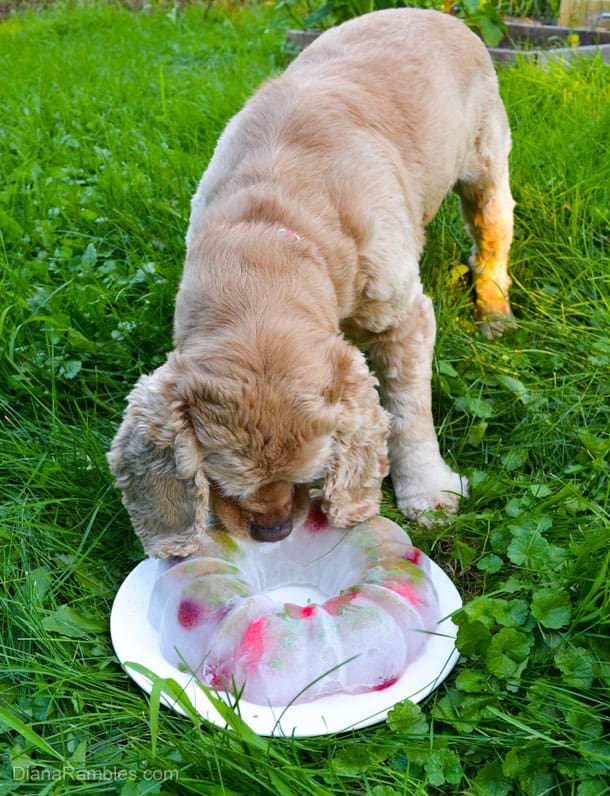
542,43
527,40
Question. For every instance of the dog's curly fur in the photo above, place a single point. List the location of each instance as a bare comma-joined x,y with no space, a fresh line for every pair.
307,224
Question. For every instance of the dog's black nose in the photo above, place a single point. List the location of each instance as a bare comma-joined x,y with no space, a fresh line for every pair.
274,531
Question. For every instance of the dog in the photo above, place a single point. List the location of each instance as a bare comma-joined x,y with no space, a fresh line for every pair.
303,247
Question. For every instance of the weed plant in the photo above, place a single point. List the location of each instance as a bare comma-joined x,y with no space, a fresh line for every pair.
107,118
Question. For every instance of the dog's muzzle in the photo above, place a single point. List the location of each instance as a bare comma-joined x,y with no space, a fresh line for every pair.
274,531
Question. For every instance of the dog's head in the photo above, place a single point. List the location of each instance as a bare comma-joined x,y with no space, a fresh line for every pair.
197,445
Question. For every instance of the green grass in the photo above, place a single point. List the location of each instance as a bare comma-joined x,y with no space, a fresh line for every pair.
106,123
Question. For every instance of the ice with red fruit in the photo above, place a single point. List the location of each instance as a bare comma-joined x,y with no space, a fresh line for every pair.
324,611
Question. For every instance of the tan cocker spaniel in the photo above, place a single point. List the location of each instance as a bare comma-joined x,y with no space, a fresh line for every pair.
308,225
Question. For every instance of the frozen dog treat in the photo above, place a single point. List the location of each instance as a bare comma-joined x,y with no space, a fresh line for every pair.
321,612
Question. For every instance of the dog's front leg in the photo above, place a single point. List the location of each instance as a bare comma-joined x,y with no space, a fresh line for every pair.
402,357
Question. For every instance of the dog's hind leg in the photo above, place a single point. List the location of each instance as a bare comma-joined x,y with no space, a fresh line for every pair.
402,358
487,208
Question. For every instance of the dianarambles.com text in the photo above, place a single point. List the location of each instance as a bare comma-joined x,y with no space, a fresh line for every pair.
110,774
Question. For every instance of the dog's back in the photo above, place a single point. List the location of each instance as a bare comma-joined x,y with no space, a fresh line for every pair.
417,81
403,34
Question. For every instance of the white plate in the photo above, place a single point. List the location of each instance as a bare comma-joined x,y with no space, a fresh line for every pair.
136,641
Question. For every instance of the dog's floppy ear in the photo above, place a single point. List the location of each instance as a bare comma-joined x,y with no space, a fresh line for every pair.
156,459
351,490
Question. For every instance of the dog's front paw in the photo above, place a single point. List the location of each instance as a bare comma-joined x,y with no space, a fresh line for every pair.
439,490
346,509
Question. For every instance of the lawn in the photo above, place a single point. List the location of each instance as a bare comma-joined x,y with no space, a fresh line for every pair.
107,119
